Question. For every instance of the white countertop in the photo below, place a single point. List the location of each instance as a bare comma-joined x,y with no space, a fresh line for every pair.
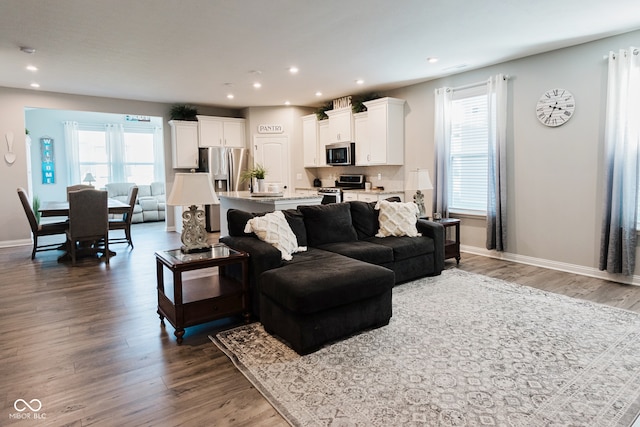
246,195
357,190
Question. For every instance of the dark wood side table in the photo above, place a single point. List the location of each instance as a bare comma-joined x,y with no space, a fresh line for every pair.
206,296
451,245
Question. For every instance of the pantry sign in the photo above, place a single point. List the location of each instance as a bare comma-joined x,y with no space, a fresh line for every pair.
270,129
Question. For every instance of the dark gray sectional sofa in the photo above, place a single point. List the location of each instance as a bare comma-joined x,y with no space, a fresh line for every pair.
342,284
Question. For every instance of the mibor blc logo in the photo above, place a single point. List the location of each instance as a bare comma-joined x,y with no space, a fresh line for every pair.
27,410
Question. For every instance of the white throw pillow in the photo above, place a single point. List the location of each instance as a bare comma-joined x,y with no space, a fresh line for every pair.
397,219
274,229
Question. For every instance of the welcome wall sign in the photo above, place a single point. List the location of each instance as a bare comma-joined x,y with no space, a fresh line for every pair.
48,166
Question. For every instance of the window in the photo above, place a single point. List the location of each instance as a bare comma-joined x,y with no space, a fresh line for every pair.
93,156
117,154
468,152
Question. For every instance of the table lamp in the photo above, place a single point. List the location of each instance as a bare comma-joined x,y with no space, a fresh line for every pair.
89,178
193,189
421,182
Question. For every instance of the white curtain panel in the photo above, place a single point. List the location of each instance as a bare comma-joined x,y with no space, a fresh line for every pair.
622,171
114,134
442,138
72,150
158,155
497,168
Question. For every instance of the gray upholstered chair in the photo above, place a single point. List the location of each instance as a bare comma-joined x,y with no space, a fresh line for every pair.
88,223
38,230
77,187
124,222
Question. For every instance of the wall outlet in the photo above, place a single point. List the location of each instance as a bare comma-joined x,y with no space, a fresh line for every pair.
379,176
299,176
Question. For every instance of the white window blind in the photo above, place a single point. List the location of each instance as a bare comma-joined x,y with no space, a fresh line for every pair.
468,151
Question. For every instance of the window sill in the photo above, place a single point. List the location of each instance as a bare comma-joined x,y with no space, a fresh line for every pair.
459,213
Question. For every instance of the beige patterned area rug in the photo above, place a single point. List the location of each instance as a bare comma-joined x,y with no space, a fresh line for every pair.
461,350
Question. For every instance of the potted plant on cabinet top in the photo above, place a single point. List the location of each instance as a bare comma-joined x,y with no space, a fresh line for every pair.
256,178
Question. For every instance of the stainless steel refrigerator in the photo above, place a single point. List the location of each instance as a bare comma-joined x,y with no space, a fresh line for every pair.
224,166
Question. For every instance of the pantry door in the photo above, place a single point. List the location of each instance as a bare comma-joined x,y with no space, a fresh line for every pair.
272,152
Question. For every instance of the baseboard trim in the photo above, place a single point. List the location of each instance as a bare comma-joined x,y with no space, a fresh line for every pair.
13,243
553,265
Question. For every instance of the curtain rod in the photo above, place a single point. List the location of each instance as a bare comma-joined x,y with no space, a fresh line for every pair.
635,52
476,84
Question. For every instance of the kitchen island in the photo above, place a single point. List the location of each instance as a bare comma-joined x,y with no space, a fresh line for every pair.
246,201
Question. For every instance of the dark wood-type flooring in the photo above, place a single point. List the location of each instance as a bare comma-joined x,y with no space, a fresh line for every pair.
87,342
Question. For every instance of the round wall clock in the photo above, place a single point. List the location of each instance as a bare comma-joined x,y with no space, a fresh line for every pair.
555,107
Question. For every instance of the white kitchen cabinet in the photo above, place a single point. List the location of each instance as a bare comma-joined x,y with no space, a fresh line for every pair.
221,132
310,141
376,197
323,138
340,125
361,138
349,196
184,144
385,132
306,192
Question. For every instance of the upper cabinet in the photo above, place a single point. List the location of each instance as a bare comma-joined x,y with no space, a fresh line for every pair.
340,125
384,142
310,141
184,144
361,138
221,132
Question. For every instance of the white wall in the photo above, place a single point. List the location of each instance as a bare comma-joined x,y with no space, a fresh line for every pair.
554,174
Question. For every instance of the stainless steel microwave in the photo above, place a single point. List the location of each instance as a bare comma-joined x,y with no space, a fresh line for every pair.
341,154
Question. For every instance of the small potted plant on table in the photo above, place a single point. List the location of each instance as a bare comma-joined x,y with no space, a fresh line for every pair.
256,178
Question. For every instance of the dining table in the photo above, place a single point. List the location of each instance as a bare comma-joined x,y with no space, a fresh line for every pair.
61,208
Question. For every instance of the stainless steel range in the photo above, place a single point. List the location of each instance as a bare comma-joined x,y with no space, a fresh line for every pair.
334,194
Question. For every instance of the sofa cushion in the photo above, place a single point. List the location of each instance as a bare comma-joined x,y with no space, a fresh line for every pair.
405,247
237,220
364,218
362,250
274,229
328,223
157,189
310,287
397,219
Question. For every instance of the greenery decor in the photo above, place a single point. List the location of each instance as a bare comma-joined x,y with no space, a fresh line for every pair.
183,112
357,101
321,112
36,208
257,172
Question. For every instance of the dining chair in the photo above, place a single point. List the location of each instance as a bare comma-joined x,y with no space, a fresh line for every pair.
77,187
88,223
124,223
38,230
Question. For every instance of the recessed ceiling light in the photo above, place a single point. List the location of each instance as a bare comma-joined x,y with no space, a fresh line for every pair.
359,82
318,93
32,68
230,96
432,60
35,85
257,85
287,103
293,70
28,50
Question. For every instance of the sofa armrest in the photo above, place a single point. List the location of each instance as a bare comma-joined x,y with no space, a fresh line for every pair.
262,257
436,232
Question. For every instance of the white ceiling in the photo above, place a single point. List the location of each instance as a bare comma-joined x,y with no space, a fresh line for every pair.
198,51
